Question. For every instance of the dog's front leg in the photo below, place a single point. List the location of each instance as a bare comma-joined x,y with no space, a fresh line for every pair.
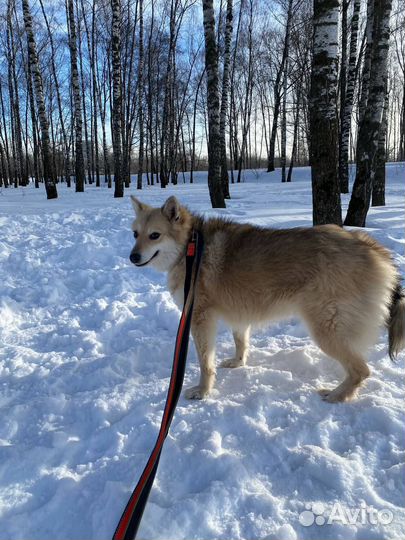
203,328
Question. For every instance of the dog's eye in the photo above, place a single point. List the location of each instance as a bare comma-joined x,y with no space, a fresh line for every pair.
154,236
135,234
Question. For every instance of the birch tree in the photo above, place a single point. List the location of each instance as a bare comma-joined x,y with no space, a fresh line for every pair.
77,100
117,97
323,120
49,180
378,188
370,124
213,106
36,151
150,86
225,97
94,96
4,138
368,53
399,39
283,149
129,86
347,98
140,96
19,178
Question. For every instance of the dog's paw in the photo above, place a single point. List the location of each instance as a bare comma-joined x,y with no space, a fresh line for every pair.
195,392
330,396
231,363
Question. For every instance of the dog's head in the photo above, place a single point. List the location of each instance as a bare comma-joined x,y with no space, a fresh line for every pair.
161,234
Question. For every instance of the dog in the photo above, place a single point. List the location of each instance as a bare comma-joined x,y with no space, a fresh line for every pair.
343,284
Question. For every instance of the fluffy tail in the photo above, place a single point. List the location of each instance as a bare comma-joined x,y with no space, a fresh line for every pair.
396,322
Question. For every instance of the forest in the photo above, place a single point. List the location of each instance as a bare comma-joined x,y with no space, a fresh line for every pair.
144,91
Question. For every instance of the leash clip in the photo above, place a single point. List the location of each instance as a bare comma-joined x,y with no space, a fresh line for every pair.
191,245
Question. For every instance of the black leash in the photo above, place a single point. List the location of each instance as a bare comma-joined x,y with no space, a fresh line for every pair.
131,518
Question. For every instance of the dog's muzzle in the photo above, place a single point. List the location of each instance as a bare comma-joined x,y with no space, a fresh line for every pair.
136,257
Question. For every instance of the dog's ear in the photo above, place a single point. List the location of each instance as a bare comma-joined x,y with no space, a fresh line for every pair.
171,209
138,206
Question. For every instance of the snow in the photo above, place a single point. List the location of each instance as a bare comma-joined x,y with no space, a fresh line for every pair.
87,343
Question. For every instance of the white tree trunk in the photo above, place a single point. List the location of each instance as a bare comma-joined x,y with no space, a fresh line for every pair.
213,106
323,119
50,185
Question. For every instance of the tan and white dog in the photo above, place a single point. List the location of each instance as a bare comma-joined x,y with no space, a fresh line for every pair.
343,284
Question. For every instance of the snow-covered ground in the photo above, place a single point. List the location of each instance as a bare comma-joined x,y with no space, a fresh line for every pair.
85,358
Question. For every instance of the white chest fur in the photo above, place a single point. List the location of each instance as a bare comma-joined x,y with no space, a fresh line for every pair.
175,283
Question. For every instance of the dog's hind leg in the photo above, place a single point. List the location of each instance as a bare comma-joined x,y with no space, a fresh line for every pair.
241,337
356,370
203,329
353,363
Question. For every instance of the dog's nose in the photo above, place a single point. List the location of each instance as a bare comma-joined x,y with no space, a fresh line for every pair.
135,258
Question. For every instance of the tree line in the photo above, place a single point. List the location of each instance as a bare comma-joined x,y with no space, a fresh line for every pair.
97,91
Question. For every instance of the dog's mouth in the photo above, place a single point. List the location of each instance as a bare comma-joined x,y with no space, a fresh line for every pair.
147,262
